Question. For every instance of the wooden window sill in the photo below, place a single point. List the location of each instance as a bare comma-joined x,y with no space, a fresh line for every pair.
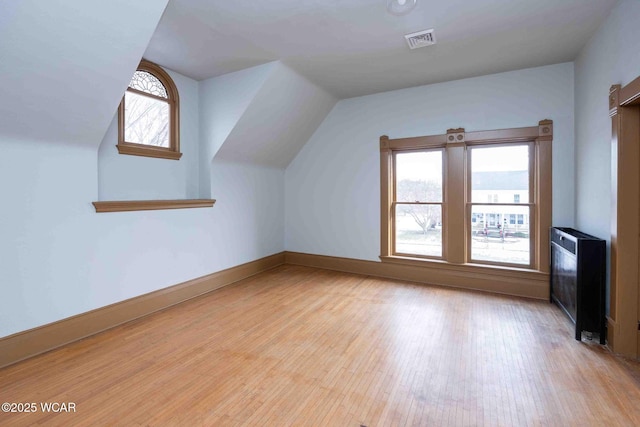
151,205
467,267
148,151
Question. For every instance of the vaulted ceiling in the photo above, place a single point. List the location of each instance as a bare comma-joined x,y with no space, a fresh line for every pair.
64,65
352,48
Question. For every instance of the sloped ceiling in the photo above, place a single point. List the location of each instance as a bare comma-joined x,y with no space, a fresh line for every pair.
64,64
353,48
282,116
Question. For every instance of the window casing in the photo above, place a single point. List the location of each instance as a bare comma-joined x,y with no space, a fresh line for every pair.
148,115
473,216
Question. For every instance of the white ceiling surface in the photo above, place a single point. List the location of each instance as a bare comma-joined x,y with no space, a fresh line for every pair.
64,64
354,47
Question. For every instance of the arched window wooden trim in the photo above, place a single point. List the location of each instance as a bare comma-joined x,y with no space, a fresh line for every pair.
137,149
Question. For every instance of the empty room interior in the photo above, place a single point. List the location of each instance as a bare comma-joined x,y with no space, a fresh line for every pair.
332,213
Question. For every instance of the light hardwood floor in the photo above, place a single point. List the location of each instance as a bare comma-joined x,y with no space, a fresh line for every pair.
308,347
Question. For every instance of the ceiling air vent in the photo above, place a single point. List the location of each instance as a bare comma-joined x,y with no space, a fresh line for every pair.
420,39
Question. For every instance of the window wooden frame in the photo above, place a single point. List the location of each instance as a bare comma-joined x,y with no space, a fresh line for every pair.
135,149
456,207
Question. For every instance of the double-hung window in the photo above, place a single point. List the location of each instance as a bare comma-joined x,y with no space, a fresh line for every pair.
500,170
418,202
472,198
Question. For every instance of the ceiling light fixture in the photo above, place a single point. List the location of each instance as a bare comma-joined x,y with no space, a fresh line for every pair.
400,7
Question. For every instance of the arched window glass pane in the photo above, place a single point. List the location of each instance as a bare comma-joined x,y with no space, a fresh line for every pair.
146,120
147,82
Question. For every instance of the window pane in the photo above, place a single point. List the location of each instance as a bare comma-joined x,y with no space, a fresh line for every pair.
419,176
147,82
500,233
146,120
500,174
419,229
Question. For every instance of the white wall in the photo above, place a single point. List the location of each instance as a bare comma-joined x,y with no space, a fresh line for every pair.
65,65
249,212
611,57
62,63
223,101
60,258
332,187
124,177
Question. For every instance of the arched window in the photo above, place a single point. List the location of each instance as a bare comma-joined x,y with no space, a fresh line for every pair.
148,116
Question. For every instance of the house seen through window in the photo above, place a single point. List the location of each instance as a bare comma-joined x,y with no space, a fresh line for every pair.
500,171
499,231
458,200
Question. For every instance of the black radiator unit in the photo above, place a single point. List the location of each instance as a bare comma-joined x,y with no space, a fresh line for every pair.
578,268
